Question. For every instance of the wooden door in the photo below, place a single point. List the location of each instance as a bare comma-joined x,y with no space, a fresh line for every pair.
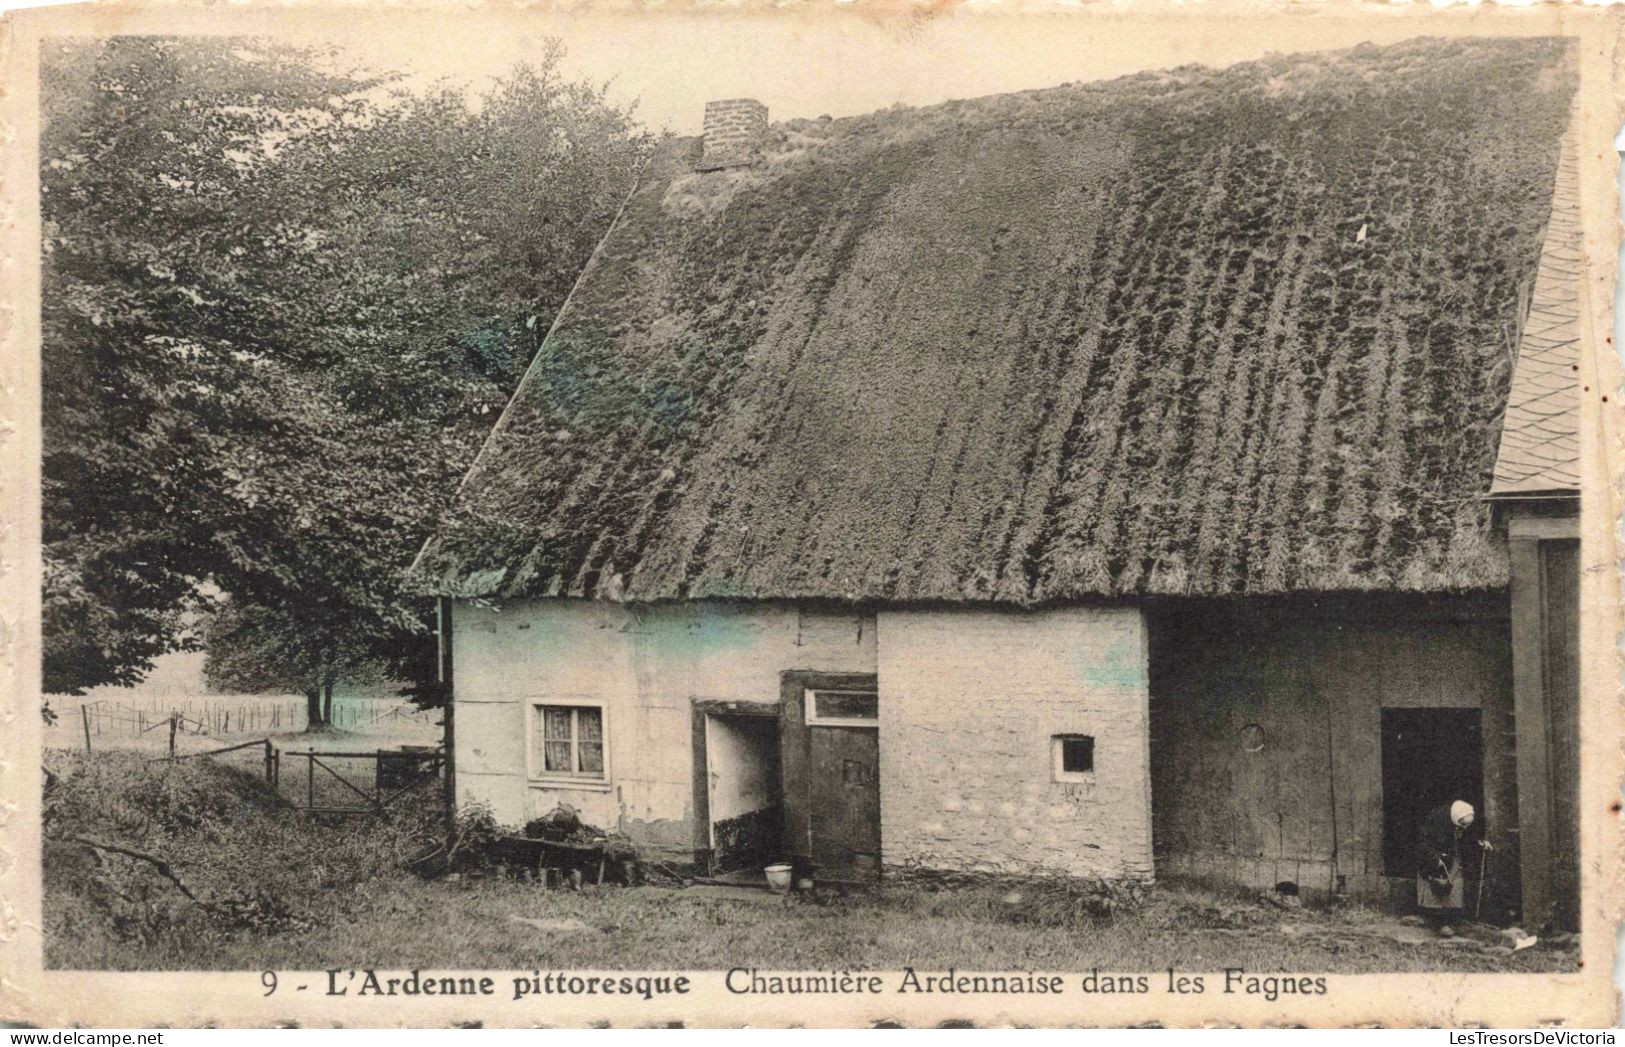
844,801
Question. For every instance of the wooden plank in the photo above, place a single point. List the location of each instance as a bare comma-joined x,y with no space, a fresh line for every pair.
1560,582
371,754
1551,527
1530,710
731,707
210,752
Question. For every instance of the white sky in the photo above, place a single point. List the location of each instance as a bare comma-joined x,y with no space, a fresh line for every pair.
842,62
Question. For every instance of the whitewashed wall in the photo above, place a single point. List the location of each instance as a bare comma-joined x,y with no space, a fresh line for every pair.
646,664
969,701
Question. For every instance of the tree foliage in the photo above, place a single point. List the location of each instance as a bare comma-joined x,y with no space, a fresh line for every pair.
282,304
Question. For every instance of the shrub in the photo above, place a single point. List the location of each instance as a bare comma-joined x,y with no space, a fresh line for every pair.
257,911
239,862
474,847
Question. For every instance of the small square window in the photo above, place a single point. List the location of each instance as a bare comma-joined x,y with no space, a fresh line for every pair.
1074,756
571,740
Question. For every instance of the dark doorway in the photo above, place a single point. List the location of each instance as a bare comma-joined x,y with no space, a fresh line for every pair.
744,797
1429,757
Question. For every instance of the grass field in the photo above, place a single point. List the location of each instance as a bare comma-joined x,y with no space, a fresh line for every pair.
512,925
275,890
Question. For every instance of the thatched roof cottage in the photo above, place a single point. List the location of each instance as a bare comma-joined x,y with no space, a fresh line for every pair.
1169,475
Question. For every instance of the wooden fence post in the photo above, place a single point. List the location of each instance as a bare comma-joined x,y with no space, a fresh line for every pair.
268,758
172,734
84,713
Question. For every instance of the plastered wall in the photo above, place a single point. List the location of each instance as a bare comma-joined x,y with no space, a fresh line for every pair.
647,664
969,703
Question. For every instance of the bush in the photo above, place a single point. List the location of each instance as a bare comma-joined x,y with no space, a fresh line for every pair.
236,862
474,846
259,912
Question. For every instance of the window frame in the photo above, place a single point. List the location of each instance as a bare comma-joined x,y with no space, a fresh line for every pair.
815,720
535,745
1058,771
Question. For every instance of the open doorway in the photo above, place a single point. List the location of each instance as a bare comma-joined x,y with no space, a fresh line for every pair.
1429,757
745,797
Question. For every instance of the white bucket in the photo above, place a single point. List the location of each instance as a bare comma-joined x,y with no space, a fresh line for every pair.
779,876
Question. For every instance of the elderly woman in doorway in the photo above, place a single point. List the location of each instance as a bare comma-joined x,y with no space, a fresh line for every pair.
1439,890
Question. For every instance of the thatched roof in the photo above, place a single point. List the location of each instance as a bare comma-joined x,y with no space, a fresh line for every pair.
1238,331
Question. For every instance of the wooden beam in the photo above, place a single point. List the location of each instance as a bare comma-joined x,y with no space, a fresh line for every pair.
1533,726
700,803
793,765
1521,525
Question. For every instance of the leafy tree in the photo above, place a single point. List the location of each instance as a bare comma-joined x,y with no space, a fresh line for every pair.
164,344
251,650
282,305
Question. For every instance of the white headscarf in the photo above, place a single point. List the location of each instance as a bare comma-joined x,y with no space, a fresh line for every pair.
1461,812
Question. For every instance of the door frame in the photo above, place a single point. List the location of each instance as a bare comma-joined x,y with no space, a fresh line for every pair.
794,753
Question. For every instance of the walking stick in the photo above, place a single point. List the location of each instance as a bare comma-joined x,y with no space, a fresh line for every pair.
1483,861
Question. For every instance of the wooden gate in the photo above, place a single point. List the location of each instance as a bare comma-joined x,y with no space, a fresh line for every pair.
348,783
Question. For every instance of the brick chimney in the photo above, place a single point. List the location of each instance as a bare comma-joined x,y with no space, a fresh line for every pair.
734,129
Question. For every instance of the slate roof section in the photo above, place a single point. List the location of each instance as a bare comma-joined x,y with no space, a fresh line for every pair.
1191,332
1540,439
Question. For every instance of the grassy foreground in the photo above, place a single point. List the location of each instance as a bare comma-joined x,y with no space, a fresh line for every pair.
274,891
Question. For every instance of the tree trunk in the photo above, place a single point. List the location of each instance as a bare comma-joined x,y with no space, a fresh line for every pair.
313,709
327,702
